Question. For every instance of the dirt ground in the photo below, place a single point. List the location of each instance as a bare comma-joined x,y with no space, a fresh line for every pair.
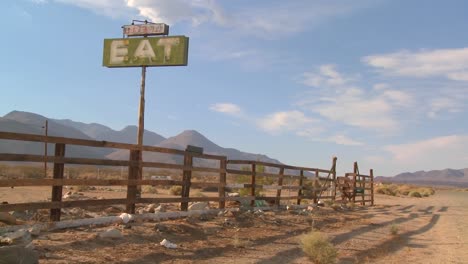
430,230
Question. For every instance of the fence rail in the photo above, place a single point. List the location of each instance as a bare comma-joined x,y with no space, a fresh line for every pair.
303,190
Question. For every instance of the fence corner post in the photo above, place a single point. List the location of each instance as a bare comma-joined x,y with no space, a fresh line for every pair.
371,174
187,178
133,174
301,183
222,183
58,174
280,186
252,182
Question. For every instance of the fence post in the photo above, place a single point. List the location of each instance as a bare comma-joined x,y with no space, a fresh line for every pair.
58,174
299,192
252,182
280,185
371,174
222,183
334,178
316,183
187,178
133,172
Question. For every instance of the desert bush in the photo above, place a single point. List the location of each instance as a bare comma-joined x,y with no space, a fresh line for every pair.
415,194
81,188
175,190
318,248
246,192
149,189
394,229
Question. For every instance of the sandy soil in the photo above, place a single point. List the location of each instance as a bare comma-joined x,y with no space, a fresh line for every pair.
430,230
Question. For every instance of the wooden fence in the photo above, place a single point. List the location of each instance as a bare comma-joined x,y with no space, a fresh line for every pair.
362,186
226,168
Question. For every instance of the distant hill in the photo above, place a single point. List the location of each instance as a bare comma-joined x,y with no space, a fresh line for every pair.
446,177
31,123
101,132
194,138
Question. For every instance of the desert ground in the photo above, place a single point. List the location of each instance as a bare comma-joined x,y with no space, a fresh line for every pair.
430,230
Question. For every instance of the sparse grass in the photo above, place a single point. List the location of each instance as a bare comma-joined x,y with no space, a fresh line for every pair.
175,190
394,229
149,189
81,188
239,243
318,248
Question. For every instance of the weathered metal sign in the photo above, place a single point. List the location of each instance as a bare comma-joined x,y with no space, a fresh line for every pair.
154,51
146,29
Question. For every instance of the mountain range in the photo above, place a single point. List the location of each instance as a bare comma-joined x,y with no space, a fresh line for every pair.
31,123
446,177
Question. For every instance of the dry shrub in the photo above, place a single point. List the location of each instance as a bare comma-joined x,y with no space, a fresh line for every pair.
415,194
149,189
318,248
175,190
394,229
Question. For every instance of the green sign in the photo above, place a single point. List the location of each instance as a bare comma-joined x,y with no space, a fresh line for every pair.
152,51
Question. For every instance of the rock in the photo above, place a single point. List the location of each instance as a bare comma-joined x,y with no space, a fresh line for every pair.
111,233
7,218
18,254
161,228
199,206
162,208
151,208
21,236
35,231
229,214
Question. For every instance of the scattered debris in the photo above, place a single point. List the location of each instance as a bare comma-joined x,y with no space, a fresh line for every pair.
18,254
199,206
234,194
20,237
168,244
7,218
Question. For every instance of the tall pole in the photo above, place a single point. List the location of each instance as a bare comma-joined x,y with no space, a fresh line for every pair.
45,147
141,126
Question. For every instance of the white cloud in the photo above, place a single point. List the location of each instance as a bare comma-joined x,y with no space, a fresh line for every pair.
444,104
344,140
449,63
283,121
339,100
327,76
266,20
227,108
435,153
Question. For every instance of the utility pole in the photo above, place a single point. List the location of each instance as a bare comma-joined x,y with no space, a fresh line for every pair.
46,127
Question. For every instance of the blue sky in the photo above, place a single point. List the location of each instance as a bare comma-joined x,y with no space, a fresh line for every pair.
381,82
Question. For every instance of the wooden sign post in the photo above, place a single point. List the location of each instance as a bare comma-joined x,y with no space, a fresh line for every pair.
140,50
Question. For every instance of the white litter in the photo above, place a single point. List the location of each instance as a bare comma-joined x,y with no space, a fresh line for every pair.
168,244
126,217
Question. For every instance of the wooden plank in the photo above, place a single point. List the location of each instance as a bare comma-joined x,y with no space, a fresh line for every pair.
280,183
58,174
94,143
275,165
89,182
222,184
186,178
